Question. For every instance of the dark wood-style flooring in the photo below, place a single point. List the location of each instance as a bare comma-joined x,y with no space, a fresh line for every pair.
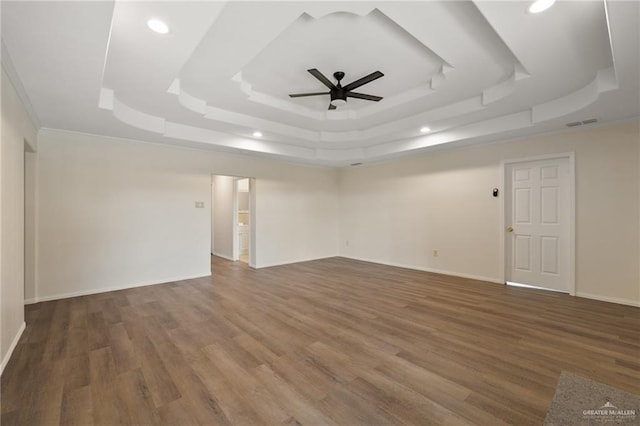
332,341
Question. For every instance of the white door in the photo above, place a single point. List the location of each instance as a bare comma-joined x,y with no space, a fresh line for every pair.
538,223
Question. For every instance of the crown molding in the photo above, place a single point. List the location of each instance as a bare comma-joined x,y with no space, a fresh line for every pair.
9,69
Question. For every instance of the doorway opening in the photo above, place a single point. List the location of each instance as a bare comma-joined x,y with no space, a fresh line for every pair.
243,219
233,224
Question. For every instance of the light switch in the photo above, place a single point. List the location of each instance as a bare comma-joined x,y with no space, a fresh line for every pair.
199,204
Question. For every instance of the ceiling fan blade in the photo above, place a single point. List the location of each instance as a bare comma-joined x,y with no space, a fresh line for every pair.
332,107
363,96
317,74
364,80
299,95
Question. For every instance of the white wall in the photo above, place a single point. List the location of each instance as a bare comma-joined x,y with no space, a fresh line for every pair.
399,212
16,130
296,219
223,216
118,213
114,216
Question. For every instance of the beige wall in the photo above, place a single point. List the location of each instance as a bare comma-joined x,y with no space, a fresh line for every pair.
396,212
399,212
17,130
118,213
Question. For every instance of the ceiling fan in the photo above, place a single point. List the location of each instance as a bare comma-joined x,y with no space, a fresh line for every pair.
339,94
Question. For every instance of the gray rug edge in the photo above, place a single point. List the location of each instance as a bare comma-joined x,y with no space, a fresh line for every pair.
582,401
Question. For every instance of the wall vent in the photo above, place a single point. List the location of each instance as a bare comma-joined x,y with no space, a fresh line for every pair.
356,164
580,123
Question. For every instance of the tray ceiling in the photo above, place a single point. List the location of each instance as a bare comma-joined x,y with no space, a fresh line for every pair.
471,72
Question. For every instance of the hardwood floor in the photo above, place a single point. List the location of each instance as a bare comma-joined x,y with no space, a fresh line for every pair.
331,341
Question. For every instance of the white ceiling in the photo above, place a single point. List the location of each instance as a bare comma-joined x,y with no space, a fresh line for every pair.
473,72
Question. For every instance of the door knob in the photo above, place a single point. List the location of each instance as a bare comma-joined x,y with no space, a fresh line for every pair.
509,229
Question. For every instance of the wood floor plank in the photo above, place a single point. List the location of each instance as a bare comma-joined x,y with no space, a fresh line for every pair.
107,405
77,372
404,404
21,370
259,352
176,413
47,398
302,409
203,406
332,341
231,402
247,386
77,407
303,376
124,354
345,407
97,331
158,380
137,398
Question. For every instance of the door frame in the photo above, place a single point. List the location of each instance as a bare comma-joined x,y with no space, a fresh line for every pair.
572,212
252,226
253,250
234,223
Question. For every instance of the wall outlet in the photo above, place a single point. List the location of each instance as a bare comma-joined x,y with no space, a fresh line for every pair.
435,252
199,204
346,243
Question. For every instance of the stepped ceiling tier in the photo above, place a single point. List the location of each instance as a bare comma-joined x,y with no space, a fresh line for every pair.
468,71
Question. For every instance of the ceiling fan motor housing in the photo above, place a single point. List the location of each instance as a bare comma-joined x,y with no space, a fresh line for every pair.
338,95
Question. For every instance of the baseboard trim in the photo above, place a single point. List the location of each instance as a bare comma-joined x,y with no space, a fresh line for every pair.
108,289
609,299
270,265
14,343
223,256
423,269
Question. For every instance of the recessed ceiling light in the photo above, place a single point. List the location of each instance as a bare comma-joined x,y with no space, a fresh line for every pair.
257,134
540,5
158,26
425,129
